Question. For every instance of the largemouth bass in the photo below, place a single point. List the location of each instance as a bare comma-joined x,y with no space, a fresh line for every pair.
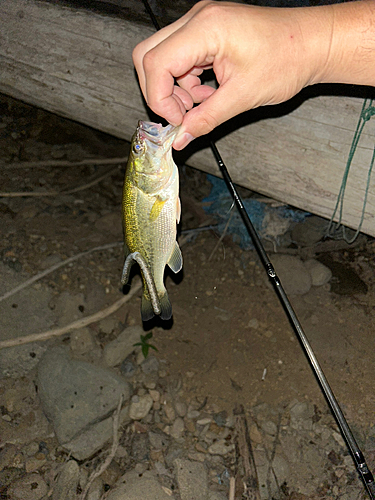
151,209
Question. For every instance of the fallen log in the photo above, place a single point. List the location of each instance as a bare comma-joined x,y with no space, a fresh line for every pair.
77,63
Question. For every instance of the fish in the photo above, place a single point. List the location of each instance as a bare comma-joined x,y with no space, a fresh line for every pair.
151,210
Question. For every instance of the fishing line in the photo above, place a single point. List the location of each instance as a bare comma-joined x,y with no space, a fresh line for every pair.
359,460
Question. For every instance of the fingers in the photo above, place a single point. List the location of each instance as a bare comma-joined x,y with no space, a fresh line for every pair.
146,45
223,104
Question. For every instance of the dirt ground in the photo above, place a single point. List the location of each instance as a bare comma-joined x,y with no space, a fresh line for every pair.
229,340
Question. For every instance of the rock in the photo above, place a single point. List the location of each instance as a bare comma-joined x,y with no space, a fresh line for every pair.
192,479
140,406
310,231
32,464
75,394
7,455
67,482
120,348
68,307
24,312
320,274
158,440
293,274
216,495
92,439
175,451
155,395
108,325
17,361
127,368
30,487
301,415
220,447
150,365
140,449
269,427
177,428
96,490
82,341
181,408
135,486
9,475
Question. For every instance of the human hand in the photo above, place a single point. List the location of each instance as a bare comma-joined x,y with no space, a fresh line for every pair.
259,55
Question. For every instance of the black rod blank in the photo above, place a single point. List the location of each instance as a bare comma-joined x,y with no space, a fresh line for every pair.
359,460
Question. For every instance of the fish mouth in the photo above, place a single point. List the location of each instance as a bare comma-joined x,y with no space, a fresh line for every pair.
156,133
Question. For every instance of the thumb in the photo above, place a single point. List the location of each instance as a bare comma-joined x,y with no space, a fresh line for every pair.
222,105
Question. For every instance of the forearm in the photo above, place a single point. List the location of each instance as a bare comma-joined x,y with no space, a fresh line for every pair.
351,52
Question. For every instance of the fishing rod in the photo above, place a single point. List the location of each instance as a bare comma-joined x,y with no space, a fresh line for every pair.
357,455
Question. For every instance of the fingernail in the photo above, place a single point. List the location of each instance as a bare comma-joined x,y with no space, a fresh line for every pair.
182,141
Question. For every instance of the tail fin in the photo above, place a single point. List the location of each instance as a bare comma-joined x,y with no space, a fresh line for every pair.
166,307
147,311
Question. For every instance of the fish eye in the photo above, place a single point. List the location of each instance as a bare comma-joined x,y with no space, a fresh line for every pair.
138,148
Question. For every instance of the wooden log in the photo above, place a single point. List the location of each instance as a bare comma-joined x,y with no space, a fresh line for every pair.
77,63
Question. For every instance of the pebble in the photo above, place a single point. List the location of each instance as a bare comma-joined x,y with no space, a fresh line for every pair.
18,361
82,341
181,408
169,412
220,447
135,486
140,406
67,481
320,274
310,231
120,348
32,464
30,487
154,394
293,274
150,365
192,479
96,490
177,428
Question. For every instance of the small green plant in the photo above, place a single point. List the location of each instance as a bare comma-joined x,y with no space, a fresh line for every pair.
145,345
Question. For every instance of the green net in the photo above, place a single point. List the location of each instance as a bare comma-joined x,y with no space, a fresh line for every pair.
336,229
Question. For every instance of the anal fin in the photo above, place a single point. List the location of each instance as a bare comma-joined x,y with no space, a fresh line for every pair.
175,260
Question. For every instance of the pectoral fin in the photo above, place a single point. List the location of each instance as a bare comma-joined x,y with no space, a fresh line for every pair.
156,209
175,260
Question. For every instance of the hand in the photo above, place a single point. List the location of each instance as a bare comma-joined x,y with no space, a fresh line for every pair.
259,55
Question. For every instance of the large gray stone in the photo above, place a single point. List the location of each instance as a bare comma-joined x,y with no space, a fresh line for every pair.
76,394
133,486
92,439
